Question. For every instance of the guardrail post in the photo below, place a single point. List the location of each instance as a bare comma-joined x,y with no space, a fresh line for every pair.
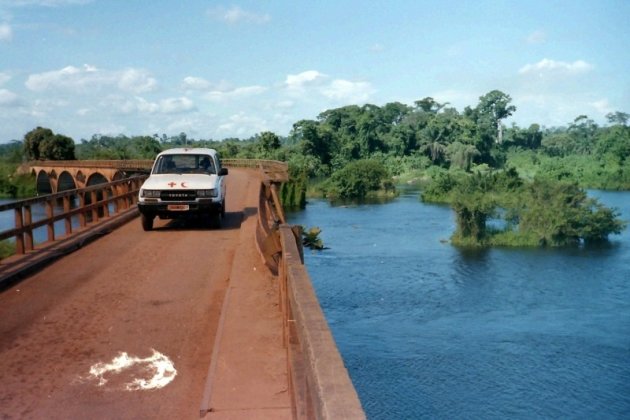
106,192
19,239
68,219
50,225
122,198
133,185
93,203
82,219
28,235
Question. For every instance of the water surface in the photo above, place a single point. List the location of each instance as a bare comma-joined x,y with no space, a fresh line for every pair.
430,331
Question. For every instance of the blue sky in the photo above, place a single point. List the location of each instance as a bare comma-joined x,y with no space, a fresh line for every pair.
217,69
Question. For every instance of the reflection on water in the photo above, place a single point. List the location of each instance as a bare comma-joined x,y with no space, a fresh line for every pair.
430,331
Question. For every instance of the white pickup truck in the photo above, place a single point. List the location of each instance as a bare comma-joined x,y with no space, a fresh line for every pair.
184,183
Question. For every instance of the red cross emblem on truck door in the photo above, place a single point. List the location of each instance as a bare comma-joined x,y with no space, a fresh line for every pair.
172,184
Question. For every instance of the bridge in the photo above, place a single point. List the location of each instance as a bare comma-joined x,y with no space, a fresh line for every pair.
104,320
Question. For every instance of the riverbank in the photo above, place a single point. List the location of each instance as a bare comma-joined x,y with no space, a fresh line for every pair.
13,185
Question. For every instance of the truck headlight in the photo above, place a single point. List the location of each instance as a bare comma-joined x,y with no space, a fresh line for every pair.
150,193
206,193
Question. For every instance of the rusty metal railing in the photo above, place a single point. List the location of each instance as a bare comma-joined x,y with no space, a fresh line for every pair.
111,164
94,204
319,382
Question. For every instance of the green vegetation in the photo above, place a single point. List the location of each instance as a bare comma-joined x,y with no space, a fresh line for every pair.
293,193
6,249
311,239
12,184
540,213
42,143
358,179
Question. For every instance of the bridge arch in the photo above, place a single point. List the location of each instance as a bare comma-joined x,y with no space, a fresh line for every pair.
44,183
66,182
96,178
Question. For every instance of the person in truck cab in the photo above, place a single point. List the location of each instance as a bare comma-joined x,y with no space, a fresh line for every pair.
206,165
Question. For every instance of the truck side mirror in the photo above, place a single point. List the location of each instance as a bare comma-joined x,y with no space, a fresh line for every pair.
223,171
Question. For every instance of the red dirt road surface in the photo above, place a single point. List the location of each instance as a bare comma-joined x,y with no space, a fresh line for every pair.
126,327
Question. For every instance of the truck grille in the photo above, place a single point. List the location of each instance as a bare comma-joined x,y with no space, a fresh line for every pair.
178,195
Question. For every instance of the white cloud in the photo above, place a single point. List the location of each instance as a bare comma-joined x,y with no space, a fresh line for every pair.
134,80
8,98
88,78
348,92
176,105
549,67
242,125
196,83
249,90
139,105
536,37
235,15
311,83
41,108
559,108
6,32
246,91
309,77
602,106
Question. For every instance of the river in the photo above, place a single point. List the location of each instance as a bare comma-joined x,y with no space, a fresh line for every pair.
430,331
7,219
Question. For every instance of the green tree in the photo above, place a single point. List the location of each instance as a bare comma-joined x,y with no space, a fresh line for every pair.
357,179
33,139
582,131
144,147
429,105
530,138
494,107
313,140
12,152
618,118
615,142
57,147
462,155
269,142
42,143
473,203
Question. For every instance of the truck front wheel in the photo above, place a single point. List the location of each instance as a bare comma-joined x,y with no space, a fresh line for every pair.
216,220
147,222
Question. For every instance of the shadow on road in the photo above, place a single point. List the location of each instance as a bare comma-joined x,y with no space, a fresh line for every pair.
232,220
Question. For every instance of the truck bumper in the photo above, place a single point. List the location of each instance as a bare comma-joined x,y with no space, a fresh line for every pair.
176,209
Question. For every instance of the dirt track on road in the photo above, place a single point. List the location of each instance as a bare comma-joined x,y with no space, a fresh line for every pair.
131,292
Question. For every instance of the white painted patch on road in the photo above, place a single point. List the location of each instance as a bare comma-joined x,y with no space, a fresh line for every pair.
159,365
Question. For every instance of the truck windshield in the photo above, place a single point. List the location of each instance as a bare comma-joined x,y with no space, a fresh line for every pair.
184,164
